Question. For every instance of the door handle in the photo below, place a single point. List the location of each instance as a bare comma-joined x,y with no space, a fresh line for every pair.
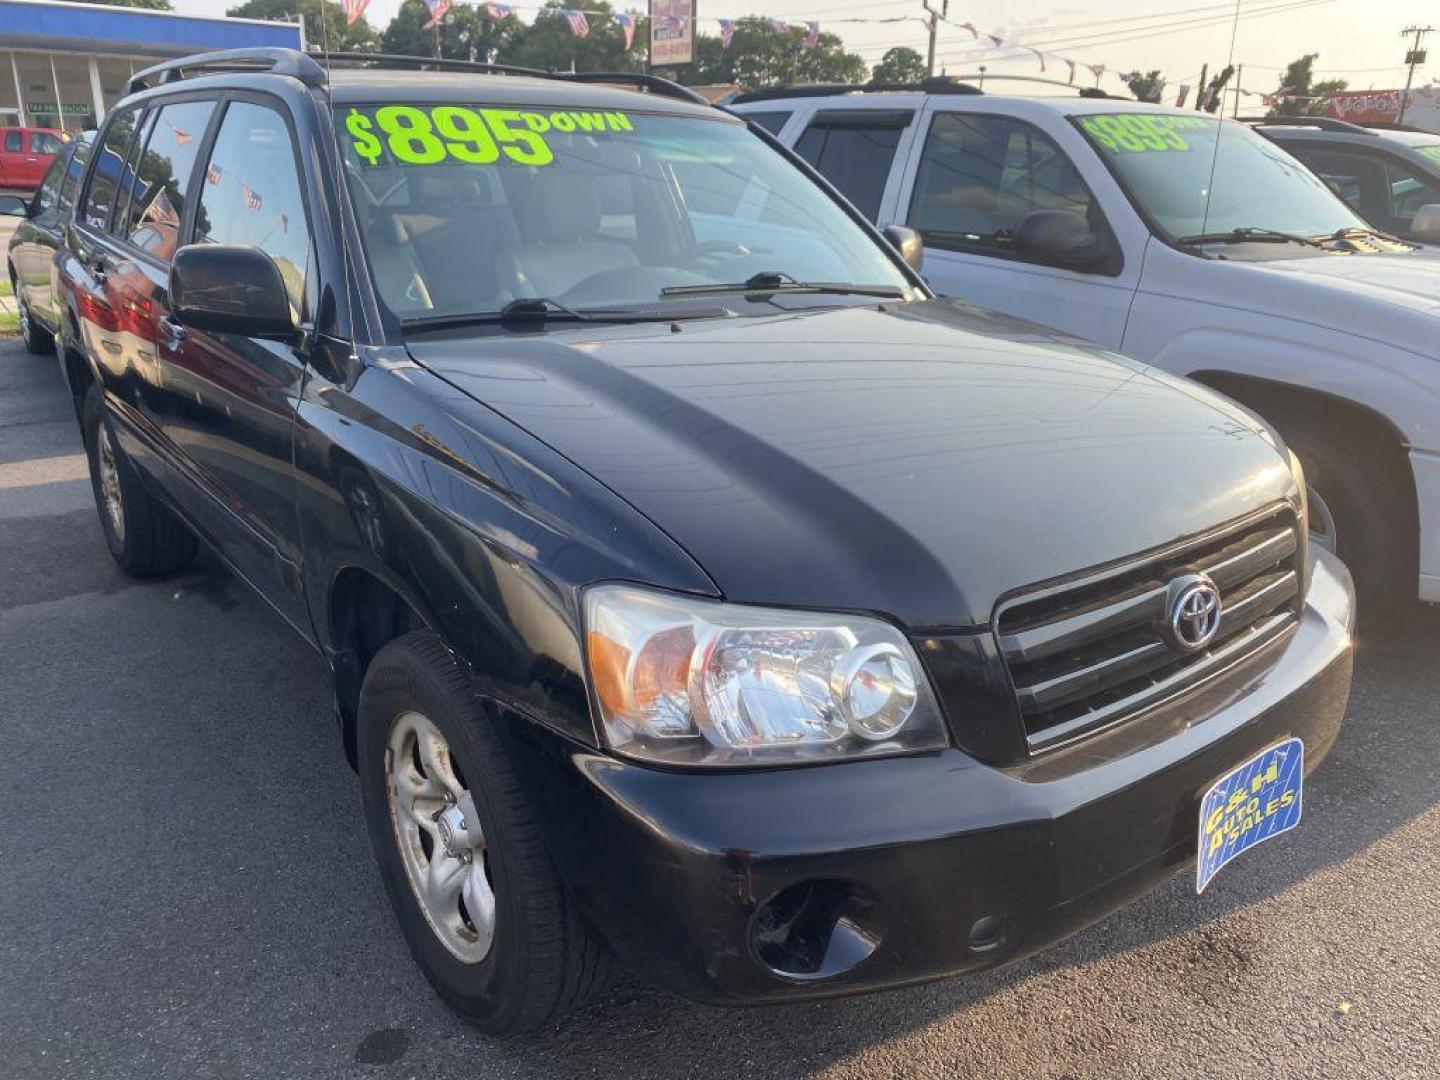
173,331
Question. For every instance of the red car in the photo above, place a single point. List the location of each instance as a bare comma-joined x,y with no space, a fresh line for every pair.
25,154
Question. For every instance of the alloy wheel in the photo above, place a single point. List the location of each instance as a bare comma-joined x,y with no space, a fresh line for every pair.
440,838
110,492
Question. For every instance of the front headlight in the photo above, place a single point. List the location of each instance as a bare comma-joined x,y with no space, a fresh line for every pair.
697,682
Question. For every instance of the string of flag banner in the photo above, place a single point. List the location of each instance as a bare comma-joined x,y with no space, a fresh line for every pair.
578,20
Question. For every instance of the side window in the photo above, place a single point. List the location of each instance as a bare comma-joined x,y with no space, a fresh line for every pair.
47,195
12,142
163,176
42,142
251,193
770,121
74,170
854,150
979,175
109,164
1357,178
1410,189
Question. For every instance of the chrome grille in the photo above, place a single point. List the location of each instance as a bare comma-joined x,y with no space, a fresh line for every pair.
1090,653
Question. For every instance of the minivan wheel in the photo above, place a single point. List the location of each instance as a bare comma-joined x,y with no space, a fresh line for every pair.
143,536
460,853
37,339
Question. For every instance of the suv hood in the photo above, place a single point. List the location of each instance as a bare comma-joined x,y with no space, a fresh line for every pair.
918,460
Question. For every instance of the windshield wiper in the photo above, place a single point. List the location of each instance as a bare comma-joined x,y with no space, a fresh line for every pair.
1248,235
1354,232
777,281
540,310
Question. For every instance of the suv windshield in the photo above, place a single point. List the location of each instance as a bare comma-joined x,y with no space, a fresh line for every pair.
1166,162
466,209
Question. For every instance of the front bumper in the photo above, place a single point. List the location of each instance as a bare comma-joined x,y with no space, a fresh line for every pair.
930,865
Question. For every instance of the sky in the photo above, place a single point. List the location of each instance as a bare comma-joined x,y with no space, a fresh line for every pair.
1358,40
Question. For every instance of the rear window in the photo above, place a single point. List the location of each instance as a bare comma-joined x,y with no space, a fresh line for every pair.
109,168
164,172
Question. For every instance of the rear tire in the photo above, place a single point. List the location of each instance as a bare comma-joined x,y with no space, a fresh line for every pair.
528,959
143,536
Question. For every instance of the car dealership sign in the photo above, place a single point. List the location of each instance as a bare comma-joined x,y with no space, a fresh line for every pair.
672,32
1383,107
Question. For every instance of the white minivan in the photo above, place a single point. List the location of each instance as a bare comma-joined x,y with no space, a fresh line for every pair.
1182,240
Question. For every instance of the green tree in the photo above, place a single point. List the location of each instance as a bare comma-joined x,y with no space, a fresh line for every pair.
466,33
1216,85
1299,94
547,43
361,37
759,57
899,65
149,5
1147,86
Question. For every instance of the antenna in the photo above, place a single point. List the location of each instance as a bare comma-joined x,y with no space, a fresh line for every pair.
1219,124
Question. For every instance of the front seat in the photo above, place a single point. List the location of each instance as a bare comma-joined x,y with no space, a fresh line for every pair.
561,244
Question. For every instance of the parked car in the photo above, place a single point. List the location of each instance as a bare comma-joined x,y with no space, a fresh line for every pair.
30,257
25,154
1388,177
698,589
1099,217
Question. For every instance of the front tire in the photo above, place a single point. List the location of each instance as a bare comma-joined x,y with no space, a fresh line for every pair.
1362,512
143,536
461,855
38,340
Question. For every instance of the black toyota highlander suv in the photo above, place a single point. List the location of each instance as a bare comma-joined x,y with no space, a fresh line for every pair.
699,590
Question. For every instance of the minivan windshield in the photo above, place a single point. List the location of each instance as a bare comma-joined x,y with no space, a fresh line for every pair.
1166,162
466,210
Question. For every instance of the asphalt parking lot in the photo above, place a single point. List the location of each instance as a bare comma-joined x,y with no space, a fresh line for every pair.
186,888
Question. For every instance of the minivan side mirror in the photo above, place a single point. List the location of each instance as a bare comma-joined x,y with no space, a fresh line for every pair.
1059,238
908,243
14,206
230,289
1426,226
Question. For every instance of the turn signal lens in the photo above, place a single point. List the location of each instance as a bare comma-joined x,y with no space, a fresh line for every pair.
703,683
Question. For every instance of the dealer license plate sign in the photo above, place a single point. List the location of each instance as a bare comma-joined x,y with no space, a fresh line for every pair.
1256,802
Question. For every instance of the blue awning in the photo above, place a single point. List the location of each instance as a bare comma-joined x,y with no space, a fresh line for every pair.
90,28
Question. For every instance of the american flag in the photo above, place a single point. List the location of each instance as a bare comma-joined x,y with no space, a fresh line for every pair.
437,9
975,34
1071,65
727,32
252,201
499,11
626,22
1038,56
996,40
812,35
353,10
1096,69
579,25
213,174
181,137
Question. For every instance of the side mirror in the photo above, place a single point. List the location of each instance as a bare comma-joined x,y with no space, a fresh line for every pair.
908,243
1059,238
230,289
14,206
1426,226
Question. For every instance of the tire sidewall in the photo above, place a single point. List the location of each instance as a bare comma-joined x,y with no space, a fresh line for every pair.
488,992
94,417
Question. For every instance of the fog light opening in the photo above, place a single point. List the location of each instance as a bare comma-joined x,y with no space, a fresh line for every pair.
813,930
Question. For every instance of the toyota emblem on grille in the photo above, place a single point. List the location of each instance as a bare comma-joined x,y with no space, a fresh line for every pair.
1192,617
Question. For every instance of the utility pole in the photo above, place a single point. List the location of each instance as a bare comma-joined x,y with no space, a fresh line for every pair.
1415,57
1200,95
934,24
1239,71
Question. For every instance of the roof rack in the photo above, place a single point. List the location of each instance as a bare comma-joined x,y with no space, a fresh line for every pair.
1391,125
1324,123
276,61
651,83
936,84
939,84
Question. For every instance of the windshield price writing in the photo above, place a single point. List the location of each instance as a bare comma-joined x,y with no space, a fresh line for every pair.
1133,134
416,136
